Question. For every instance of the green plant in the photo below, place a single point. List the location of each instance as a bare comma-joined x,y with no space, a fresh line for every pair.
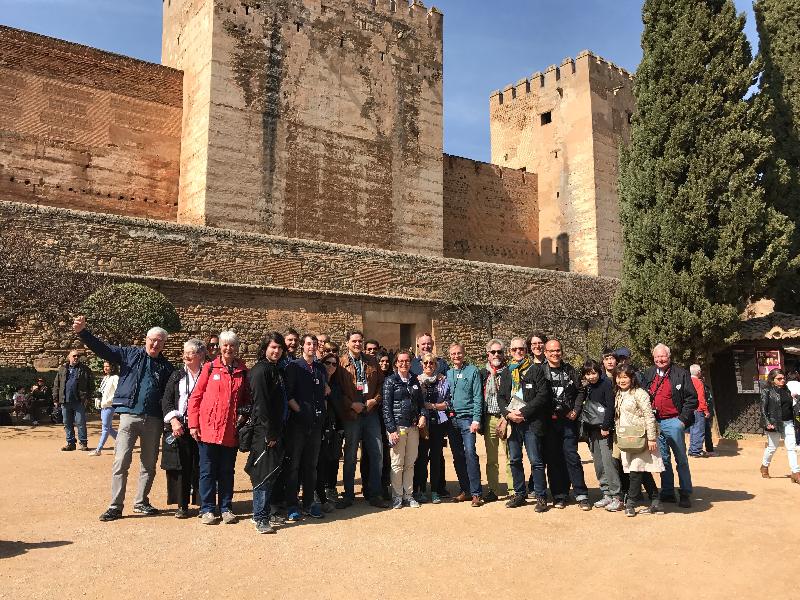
732,434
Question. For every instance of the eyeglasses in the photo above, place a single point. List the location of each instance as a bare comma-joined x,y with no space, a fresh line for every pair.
330,363
428,362
213,345
780,378
495,351
518,349
403,362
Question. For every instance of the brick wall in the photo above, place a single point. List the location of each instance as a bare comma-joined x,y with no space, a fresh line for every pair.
83,128
252,282
490,213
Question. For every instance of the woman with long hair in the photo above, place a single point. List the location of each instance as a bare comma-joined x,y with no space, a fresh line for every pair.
778,416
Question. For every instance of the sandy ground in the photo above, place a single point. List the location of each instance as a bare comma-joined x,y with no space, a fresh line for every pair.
738,541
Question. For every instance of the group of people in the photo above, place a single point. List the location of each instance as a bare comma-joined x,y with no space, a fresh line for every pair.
305,403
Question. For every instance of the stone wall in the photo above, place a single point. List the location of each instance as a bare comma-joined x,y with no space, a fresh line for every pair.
565,125
253,283
490,213
83,128
301,112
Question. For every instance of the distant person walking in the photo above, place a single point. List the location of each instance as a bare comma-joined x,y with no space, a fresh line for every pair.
778,416
108,386
72,389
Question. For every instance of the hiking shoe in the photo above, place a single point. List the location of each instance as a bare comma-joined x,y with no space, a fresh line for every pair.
112,514
229,518
685,501
83,447
516,501
615,505
263,526
435,499
145,509
397,503
328,507
477,501
490,496
654,508
68,447
585,504
412,503
603,502
378,502
559,503
293,515
208,518
275,519
541,505
332,494
344,502
315,511
182,513
630,511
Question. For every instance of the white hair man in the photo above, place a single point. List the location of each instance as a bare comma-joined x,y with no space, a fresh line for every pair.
697,432
143,375
674,400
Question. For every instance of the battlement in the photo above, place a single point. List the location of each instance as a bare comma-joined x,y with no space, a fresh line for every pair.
555,77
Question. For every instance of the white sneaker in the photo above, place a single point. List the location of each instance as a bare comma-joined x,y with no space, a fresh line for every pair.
602,503
397,503
412,503
615,505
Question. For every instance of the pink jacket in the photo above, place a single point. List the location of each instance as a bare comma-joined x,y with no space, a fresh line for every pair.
214,402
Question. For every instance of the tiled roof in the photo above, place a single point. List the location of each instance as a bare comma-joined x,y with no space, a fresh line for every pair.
774,326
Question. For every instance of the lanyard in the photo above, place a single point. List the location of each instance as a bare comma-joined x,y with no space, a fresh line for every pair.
358,364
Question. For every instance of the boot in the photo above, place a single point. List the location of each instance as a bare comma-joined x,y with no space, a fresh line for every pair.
764,472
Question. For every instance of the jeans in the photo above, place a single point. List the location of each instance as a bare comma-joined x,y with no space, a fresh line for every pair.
563,461
708,439
386,468
604,466
217,464
261,497
463,437
367,430
107,419
74,413
148,431
404,455
786,431
697,433
493,443
302,448
523,433
328,463
672,439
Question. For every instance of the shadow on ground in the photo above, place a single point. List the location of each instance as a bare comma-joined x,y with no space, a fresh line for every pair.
9,549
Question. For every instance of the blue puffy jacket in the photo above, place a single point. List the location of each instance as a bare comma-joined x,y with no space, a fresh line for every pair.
403,403
130,360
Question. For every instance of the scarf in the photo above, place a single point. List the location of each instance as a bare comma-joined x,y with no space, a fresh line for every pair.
490,391
517,371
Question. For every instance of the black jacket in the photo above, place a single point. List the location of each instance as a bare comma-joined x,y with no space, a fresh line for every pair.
85,383
600,395
771,413
684,396
568,400
269,412
536,396
503,390
403,403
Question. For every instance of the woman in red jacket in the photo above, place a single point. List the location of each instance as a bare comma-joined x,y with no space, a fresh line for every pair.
213,414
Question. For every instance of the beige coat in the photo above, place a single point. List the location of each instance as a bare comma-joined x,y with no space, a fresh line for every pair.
632,408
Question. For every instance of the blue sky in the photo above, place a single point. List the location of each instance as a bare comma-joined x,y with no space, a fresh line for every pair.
487,44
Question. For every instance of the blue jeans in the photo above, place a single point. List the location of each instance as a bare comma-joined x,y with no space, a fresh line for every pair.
697,433
523,433
367,430
466,439
74,413
564,464
672,439
107,418
261,497
217,464
459,459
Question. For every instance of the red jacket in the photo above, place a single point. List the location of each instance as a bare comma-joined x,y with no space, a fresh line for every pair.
701,395
214,402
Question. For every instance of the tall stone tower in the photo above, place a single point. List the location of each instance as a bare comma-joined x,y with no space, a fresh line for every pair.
316,119
566,125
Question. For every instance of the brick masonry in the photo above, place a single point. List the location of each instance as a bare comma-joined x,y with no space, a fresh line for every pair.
88,129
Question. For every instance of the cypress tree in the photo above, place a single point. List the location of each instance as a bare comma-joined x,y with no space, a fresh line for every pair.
699,238
778,24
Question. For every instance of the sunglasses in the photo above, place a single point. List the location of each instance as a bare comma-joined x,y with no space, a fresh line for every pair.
213,345
495,352
428,362
330,363
518,349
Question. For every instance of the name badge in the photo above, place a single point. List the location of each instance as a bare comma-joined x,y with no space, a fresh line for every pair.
677,387
216,377
601,409
528,386
415,387
366,388
316,381
460,376
360,386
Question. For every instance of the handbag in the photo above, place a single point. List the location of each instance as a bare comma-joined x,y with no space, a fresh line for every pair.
246,432
632,438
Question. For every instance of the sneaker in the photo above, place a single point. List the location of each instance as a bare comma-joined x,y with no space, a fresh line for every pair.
208,518
685,501
516,501
276,520
541,505
35,423
630,511
603,502
95,452
332,494
83,447
328,507
420,497
344,502
315,512
477,501
264,526
435,499
412,503
694,455
229,518
145,509
462,497
182,513
378,502
710,454
490,496
559,503
654,508
585,504
531,494
293,515
397,503
112,514
615,505
68,447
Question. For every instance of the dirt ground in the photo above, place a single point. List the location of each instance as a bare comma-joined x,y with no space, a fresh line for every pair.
738,541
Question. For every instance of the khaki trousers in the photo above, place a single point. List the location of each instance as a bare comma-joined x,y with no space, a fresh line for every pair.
493,457
403,455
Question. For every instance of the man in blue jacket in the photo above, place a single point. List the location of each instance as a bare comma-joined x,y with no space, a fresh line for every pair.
143,375
467,399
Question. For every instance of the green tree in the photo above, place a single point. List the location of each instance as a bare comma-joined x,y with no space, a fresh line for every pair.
778,24
699,237
123,312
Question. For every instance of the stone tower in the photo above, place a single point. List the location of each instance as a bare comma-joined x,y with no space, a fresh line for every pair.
304,112
566,125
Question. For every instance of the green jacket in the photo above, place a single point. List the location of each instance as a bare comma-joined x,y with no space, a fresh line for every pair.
466,390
